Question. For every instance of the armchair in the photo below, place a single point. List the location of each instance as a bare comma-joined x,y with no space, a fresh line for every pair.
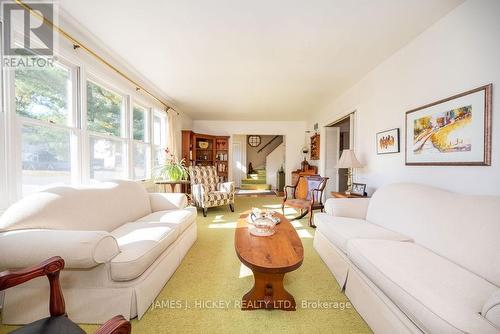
306,195
207,192
58,322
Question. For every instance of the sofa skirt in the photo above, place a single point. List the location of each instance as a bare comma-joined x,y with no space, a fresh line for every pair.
91,297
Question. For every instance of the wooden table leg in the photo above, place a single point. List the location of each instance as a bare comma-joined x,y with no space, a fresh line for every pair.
268,292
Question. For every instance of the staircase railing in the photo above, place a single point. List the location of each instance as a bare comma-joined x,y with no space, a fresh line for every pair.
268,143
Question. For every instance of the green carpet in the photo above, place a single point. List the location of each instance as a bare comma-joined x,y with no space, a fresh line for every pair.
201,296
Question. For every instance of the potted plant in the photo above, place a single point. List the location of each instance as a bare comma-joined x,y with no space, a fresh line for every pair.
172,169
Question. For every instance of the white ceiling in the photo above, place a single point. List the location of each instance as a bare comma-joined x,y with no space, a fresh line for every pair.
258,59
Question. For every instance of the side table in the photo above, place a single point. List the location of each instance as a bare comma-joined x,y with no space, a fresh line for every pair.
344,195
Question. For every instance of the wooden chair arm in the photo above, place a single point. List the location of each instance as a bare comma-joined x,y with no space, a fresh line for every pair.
115,325
50,268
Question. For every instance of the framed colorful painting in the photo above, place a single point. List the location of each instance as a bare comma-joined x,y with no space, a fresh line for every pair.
452,132
388,141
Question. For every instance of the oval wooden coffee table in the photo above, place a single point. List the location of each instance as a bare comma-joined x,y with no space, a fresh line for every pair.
269,258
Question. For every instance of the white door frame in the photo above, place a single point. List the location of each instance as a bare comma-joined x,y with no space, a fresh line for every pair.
236,172
353,114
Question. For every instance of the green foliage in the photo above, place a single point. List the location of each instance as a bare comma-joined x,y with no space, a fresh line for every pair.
172,169
103,110
42,93
139,122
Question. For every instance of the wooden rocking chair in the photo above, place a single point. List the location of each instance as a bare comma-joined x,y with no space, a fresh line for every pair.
58,322
306,195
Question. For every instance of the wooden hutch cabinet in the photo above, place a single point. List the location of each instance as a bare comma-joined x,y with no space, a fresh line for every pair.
206,150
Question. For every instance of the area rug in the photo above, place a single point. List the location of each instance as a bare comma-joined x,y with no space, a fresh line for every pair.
204,293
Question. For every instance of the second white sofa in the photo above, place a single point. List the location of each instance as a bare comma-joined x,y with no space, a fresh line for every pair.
416,259
120,245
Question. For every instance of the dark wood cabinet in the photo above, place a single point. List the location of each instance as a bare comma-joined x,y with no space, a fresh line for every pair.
206,150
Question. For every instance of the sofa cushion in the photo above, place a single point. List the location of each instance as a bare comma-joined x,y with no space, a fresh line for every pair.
100,207
167,201
181,218
339,230
140,245
436,294
443,222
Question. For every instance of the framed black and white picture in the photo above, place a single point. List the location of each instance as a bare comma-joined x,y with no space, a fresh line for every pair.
388,141
358,189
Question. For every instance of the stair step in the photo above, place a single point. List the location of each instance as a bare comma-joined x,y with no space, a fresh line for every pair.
255,187
253,181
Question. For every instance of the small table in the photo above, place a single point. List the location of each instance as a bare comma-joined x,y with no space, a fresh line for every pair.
344,195
171,184
269,258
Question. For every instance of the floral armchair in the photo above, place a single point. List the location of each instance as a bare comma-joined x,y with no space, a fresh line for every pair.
206,190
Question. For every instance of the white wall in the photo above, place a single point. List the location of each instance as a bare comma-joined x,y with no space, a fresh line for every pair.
458,53
293,132
274,161
238,169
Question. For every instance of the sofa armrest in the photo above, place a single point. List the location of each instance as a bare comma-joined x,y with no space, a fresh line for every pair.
167,201
79,249
198,193
491,309
347,207
227,187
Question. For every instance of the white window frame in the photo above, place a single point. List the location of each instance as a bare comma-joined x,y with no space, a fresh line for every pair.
124,127
162,146
148,119
16,123
82,70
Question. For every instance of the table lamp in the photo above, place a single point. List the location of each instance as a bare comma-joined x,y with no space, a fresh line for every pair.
348,160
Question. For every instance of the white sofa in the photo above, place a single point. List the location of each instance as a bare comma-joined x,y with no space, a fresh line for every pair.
416,259
120,245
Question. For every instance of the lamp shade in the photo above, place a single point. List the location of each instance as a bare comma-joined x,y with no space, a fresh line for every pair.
348,160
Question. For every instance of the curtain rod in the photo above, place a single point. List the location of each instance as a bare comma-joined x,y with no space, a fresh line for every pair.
77,44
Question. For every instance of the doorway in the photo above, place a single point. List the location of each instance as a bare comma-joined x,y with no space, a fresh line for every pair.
338,138
238,165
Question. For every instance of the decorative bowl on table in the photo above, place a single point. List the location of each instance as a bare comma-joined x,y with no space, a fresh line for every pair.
262,224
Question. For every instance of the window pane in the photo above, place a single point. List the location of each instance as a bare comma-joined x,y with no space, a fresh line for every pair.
159,130
139,123
158,156
106,159
43,93
46,157
140,161
104,110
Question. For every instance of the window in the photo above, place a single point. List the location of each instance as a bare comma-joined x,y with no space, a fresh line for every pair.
106,159
46,157
57,143
106,144
140,149
139,123
104,110
141,163
43,102
159,138
43,94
